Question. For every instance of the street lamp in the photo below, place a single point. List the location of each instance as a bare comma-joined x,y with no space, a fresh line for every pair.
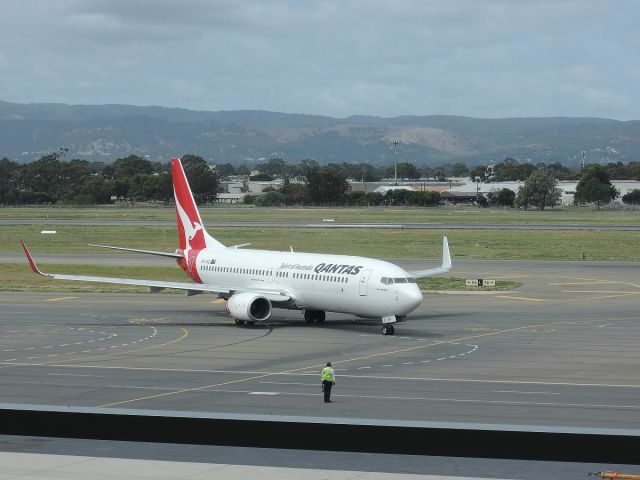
395,168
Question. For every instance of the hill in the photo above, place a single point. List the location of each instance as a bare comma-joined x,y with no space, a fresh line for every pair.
107,132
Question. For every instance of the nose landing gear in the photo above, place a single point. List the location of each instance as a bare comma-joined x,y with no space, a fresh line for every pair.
387,329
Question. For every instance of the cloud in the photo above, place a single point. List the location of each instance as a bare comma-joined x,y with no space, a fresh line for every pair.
337,58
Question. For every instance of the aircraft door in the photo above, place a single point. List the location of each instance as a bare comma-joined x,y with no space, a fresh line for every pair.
364,282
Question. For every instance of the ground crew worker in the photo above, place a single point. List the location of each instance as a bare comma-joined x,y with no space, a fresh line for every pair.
328,381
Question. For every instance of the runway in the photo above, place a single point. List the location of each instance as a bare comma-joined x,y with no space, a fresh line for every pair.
559,351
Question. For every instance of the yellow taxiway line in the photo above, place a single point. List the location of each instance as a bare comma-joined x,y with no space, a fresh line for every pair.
524,299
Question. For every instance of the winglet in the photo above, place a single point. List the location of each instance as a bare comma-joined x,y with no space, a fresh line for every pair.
446,256
443,268
32,264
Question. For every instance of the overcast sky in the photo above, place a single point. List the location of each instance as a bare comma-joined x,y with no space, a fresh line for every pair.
462,57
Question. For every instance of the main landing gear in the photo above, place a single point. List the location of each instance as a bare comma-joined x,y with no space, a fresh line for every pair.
387,329
314,316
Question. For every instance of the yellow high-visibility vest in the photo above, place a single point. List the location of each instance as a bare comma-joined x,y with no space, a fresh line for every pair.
326,374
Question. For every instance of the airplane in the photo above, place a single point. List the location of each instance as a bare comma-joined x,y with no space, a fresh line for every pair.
254,282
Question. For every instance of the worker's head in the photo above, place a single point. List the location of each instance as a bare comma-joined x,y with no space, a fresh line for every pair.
328,364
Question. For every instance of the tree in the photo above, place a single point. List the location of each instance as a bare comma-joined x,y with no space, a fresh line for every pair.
326,185
459,170
92,190
243,170
510,170
560,172
405,170
203,181
225,170
44,178
293,193
276,167
132,165
503,198
9,178
540,189
270,199
479,173
632,198
595,186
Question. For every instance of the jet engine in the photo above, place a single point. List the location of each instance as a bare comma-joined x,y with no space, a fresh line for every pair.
249,306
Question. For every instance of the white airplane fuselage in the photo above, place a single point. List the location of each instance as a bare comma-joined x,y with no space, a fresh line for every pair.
334,283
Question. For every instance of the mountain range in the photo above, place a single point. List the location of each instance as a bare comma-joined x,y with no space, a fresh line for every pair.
107,132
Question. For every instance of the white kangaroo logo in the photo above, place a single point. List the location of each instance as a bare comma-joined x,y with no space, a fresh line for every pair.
190,230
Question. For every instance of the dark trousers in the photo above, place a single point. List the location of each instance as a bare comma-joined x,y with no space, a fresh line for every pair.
326,388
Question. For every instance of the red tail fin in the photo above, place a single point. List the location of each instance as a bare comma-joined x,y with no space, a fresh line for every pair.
191,231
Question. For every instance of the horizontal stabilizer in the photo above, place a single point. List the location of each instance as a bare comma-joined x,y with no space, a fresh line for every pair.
137,250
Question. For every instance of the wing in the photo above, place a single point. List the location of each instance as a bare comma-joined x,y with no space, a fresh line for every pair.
157,285
444,268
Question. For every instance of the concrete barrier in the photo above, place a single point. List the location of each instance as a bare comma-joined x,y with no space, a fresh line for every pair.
336,434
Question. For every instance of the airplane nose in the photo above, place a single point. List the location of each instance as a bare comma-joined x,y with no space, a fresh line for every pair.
412,297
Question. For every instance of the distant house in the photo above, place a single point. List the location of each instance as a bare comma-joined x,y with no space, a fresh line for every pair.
230,198
383,189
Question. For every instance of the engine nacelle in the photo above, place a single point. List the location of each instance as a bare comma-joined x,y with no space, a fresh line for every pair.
249,306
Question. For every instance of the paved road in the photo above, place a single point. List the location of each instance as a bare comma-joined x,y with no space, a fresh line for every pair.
559,351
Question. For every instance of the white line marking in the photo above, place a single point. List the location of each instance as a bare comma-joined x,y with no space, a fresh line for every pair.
438,399
526,393
293,383
293,374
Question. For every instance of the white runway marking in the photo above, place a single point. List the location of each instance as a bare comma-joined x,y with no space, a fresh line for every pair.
526,393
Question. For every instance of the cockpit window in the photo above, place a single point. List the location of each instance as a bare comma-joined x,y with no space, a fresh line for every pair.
411,280
400,280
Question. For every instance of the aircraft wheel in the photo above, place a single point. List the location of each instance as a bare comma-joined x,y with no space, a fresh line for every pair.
320,317
308,316
387,330
240,323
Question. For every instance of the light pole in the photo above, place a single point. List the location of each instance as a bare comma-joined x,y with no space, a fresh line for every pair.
395,168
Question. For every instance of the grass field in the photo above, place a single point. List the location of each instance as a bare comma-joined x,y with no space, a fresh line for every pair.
447,215
379,243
